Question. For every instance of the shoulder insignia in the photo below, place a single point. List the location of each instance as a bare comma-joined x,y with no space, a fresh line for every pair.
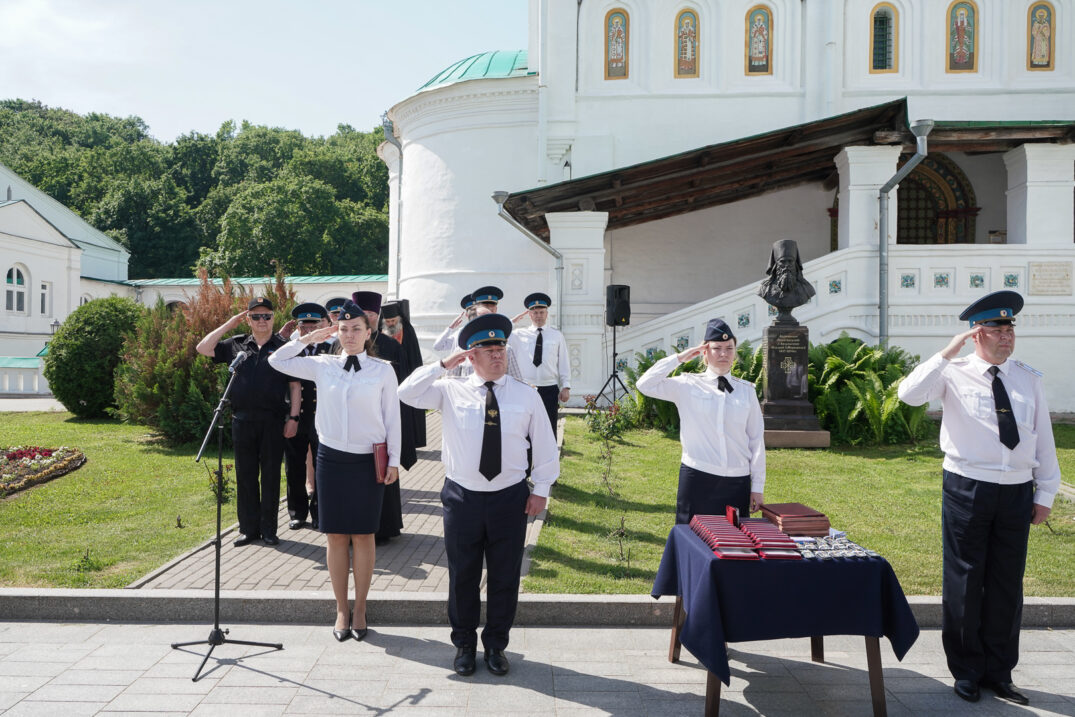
1030,369
960,360
741,380
379,360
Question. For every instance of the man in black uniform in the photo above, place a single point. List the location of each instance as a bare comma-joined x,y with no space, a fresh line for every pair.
260,418
308,317
388,348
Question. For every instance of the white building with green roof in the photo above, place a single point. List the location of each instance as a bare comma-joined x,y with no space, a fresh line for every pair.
667,145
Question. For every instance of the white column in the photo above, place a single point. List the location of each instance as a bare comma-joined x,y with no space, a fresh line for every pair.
1041,181
580,237
390,155
863,171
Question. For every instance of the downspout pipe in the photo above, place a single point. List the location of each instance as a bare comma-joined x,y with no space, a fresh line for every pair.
500,197
390,137
921,130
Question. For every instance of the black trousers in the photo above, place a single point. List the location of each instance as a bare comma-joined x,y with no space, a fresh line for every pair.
550,396
985,528
295,448
702,493
491,527
259,449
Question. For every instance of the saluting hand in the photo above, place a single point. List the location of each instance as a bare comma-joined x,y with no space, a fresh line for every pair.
520,317
458,320
456,359
690,353
237,319
319,335
954,346
287,329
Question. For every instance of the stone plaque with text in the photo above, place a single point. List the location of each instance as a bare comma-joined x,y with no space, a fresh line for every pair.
1050,278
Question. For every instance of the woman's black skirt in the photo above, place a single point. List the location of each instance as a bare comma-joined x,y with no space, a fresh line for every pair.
348,494
702,493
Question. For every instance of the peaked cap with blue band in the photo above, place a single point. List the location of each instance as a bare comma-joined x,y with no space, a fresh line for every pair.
487,293
718,330
335,303
466,302
487,330
350,310
309,311
537,300
1000,307
368,300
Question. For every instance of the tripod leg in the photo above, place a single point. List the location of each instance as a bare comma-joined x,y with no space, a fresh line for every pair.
205,659
274,645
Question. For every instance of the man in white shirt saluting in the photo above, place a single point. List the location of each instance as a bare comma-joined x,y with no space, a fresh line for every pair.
488,418
1000,476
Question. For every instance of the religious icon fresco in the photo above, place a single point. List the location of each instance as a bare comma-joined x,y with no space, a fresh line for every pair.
759,41
1040,31
687,44
616,44
962,37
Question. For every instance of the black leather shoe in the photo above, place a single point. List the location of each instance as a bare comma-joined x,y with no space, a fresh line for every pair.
244,539
1007,691
497,662
968,690
465,661
341,635
296,524
360,633
271,540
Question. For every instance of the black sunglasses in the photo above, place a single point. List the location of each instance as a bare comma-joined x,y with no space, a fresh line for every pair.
260,317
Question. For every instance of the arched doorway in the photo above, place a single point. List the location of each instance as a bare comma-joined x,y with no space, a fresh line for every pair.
936,205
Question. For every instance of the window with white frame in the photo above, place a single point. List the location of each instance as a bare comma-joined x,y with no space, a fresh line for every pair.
15,291
46,298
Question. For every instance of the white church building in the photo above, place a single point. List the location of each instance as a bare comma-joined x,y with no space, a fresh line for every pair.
666,144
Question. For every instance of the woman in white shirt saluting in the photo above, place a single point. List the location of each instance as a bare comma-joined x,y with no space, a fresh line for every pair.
721,428
357,407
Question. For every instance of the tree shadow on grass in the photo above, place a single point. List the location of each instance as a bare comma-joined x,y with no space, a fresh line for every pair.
570,494
558,559
588,528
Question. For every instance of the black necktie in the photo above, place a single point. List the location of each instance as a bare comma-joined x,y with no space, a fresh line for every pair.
489,465
537,349
724,385
351,364
1009,432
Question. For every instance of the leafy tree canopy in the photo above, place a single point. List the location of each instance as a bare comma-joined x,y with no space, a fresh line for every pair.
245,201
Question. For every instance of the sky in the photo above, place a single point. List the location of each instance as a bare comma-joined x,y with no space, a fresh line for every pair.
190,65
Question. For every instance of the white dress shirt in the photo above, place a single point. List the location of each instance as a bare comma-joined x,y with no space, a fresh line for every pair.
355,409
448,339
462,406
969,432
554,369
721,433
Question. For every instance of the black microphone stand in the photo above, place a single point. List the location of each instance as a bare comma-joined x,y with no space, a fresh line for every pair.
216,635
614,377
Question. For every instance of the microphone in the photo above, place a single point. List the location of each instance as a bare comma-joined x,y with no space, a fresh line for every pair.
237,361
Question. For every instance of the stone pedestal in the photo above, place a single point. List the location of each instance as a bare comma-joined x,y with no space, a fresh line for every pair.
786,405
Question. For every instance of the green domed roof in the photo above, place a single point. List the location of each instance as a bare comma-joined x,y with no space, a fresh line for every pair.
487,65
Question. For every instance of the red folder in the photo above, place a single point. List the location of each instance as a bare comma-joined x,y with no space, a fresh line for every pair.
380,461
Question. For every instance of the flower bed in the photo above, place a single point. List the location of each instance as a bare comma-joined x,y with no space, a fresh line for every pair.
25,466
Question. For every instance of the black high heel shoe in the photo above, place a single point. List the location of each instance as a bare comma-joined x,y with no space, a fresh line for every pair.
360,634
343,635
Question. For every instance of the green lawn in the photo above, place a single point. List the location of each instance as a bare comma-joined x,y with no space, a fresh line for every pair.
886,498
121,506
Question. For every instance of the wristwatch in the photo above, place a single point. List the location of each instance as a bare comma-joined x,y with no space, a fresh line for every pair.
292,418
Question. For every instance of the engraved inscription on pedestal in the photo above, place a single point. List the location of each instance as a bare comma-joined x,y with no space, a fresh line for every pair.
1050,278
786,405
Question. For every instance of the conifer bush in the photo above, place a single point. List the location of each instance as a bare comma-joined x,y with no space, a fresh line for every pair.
83,355
163,381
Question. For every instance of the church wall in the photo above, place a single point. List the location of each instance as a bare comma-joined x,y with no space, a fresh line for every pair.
25,333
682,260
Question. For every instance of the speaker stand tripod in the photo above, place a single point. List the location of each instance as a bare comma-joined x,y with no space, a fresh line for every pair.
613,379
216,635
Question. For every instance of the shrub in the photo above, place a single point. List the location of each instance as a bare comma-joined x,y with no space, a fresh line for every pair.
164,382
83,355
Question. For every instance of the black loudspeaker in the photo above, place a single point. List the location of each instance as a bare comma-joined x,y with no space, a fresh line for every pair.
617,305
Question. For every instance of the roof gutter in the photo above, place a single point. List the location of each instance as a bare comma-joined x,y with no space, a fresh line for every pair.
500,197
921,130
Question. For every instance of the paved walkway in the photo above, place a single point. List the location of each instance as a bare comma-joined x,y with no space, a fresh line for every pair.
415,561
85,669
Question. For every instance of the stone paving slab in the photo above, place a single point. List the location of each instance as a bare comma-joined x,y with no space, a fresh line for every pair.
110,669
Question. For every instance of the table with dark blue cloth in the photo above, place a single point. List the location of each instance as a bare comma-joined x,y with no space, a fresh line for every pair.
740,600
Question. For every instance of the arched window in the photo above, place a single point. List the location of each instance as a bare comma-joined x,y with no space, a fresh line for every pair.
686,37
15,291
936,204
1041,35
884,38
617,31
759,41
962,37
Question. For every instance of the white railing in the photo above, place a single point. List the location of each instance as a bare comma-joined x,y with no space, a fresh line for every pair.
23,381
